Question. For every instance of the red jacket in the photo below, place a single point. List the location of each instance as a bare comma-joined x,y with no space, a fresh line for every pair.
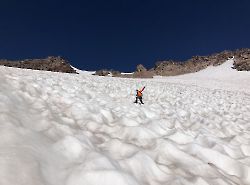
139,92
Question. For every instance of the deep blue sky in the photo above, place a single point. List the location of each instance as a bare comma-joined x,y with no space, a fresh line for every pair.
119,34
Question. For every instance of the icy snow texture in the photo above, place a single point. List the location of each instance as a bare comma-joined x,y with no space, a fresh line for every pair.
67,129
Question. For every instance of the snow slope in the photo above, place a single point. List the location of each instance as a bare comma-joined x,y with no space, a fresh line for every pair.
219,77
68,129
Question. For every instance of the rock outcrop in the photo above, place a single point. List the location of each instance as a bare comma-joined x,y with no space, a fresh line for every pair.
106,72
242,65
140,68
242,60
142,72
55,64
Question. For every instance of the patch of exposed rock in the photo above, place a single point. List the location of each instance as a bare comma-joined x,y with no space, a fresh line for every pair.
242,60
105,72
242,65
140,68
55,64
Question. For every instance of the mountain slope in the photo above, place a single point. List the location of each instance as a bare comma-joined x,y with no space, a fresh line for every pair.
66,129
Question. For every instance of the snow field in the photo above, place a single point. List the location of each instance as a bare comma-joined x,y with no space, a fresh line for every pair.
81,129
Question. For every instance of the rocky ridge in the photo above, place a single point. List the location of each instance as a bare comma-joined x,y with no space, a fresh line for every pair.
161,68
196,63
54,64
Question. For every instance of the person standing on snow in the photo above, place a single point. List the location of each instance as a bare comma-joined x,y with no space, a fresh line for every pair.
139,95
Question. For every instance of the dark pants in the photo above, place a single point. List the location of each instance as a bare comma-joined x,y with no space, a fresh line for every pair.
140,98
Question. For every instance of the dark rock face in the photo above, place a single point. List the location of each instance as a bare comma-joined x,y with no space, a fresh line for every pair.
55,64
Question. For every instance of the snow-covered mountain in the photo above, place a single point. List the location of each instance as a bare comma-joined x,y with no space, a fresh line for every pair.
66,129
